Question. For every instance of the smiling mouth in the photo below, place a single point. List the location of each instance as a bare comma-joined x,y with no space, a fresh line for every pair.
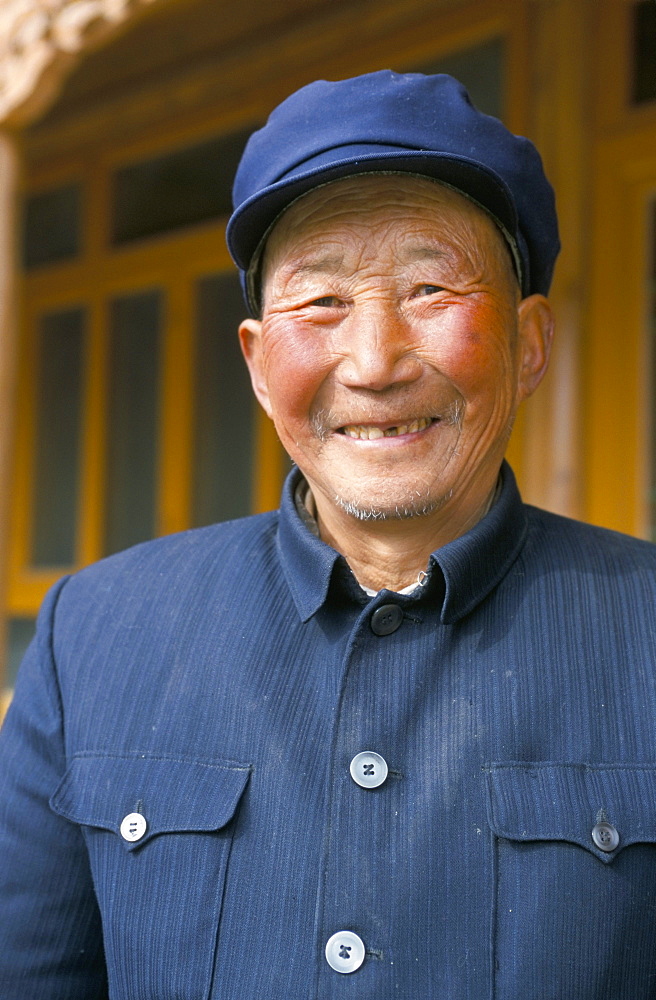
371,432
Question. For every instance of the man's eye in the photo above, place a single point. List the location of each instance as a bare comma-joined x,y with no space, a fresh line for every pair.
326,301
428,289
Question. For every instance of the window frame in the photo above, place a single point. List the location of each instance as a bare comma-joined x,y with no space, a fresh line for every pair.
172,262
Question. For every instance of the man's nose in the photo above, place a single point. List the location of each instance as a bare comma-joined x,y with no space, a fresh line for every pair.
378,349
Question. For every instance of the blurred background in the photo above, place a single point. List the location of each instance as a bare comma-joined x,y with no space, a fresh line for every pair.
125,407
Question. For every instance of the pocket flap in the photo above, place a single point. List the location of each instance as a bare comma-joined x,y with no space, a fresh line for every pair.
545,801
173,795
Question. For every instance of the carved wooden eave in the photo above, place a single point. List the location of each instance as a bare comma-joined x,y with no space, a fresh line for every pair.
40,41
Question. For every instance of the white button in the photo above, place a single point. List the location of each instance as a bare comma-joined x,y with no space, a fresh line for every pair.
368,769
133,827
345,951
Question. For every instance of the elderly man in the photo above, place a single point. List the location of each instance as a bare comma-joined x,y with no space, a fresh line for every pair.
397,739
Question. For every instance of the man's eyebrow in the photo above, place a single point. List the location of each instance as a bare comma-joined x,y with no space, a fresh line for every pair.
327,264
427,251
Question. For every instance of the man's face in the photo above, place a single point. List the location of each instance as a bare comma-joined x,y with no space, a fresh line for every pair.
391,353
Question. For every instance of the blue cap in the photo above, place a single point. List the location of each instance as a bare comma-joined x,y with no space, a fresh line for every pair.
387,121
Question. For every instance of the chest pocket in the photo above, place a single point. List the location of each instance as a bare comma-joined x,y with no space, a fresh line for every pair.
575,879
159,833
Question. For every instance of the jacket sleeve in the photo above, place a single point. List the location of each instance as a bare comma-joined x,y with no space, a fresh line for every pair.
50,931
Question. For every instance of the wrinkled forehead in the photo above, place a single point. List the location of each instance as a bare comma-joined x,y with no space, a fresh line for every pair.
419,211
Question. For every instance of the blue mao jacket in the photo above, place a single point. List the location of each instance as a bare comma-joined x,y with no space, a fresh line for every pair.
178,817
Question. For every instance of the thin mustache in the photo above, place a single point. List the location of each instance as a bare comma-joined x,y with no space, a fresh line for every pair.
325,421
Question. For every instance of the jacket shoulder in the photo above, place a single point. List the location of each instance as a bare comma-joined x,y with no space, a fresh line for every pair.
577,541
200,556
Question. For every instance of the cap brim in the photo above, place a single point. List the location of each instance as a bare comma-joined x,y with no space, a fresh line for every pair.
255,217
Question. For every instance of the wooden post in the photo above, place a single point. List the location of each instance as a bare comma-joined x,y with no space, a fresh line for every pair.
561,93
9,168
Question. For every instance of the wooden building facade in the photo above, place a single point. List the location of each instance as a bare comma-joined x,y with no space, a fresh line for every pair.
126,410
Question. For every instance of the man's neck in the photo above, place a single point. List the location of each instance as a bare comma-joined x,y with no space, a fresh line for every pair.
393,553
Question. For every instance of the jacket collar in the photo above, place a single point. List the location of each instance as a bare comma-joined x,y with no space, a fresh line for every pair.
471,566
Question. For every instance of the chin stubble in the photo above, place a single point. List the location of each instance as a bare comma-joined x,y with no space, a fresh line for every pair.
421,507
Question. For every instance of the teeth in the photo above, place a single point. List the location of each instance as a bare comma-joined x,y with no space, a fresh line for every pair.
362,433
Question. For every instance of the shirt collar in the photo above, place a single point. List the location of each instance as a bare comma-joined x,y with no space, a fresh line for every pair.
471,565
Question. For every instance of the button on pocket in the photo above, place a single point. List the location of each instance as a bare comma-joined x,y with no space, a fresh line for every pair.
133,827
605,836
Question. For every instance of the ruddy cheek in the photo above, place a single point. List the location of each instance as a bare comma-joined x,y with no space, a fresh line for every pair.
479,352
295,370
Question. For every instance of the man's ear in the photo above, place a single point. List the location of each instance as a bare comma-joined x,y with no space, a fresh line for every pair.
250,338
535,322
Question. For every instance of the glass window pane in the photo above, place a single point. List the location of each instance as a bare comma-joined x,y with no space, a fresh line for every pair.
52,226
19,636
133,402
644,51
223,431
58,437
178,189
480,69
